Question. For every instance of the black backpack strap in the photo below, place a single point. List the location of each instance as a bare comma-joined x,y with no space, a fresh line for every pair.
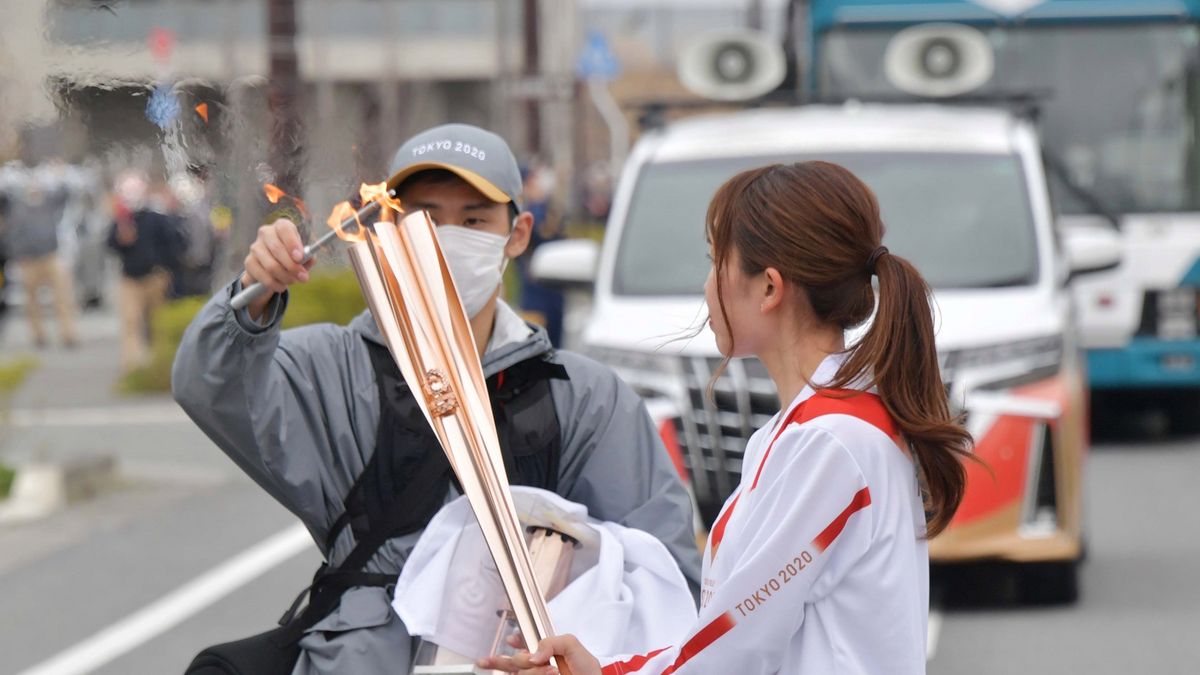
325,593
406,480
404,439
527,422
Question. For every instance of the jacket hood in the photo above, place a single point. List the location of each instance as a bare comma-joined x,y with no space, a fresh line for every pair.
537,344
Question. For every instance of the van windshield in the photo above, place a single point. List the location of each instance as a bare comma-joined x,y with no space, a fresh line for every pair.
964,220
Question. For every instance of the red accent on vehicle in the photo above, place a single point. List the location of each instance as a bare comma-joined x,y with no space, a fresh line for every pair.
1005,449
1001,480
701,640
861,500
670,439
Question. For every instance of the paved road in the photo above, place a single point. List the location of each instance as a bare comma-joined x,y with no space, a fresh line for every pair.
180,510
1139,610
184,511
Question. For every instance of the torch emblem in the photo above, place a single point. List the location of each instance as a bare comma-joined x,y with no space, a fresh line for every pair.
438,394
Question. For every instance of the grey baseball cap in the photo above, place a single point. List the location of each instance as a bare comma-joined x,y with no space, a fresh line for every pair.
479,157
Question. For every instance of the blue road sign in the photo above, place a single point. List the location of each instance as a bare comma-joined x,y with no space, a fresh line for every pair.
163,107
596,60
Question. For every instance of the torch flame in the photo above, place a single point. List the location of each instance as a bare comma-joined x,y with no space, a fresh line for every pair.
342,211
202,111
273,193
370,192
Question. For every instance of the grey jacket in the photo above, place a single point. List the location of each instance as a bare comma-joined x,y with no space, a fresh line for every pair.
298,410
32,226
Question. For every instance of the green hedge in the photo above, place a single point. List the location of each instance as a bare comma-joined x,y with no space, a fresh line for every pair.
328,297
6,480
12,375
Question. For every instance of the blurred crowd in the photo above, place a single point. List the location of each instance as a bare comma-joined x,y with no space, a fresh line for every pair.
61,223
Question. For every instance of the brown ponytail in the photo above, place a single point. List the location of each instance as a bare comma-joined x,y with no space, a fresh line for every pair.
819,225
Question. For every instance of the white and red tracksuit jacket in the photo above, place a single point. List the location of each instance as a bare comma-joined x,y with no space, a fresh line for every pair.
816,564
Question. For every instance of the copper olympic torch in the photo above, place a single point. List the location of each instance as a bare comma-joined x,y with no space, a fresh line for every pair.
413,298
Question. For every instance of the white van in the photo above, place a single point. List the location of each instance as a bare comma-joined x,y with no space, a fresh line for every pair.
963,197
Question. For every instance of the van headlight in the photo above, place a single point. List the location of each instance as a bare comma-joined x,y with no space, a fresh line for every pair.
1005,364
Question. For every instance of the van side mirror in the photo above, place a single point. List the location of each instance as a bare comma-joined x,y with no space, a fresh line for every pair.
1090,248
567,264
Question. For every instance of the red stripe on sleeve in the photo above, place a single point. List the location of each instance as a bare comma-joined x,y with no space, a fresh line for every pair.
630,666
701,640
718,531
861,500
707,635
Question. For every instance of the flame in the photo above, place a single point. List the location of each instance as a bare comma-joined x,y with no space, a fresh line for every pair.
370,192
273,193
342,211
202,111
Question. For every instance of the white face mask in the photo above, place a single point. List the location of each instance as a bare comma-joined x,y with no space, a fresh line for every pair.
476,260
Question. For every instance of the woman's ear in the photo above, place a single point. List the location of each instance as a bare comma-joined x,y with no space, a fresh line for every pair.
772,290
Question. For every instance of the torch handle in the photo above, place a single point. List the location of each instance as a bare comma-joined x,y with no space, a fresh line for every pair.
256,290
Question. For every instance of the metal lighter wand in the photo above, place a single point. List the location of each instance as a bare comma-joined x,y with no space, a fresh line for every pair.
360,219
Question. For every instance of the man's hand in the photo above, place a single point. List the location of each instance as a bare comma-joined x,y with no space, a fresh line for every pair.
566,648
275,262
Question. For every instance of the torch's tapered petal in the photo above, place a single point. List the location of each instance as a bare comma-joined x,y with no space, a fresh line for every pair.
413,298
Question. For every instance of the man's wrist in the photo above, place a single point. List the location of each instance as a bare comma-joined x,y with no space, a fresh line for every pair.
263,313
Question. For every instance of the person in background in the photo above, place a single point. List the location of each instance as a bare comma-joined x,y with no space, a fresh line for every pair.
203,236
163,201
32,214
597,192
148,245
3,255
546,304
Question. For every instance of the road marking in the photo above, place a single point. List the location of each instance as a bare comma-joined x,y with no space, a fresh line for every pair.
111,416
173,608
932,634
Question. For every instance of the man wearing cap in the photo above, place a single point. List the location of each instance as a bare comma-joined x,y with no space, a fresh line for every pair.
320,417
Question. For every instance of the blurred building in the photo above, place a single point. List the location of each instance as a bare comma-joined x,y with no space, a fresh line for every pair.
167,84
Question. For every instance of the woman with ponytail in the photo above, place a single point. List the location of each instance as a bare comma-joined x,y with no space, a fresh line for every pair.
818,562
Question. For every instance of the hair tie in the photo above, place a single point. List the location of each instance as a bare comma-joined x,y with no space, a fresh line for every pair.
874,258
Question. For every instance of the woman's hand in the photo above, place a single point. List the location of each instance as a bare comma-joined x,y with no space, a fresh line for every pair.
566,647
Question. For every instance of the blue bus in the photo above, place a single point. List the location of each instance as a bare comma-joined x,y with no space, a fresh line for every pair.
1116,86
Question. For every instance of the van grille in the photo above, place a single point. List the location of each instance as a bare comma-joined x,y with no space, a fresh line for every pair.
713,432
